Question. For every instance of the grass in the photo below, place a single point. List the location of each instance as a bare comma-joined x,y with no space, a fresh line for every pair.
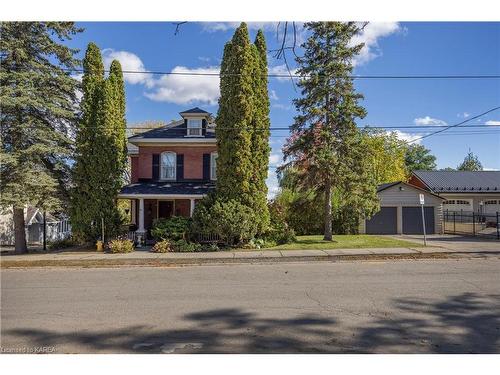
357,241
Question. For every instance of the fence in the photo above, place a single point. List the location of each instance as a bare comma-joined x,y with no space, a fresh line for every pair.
55,230
472,224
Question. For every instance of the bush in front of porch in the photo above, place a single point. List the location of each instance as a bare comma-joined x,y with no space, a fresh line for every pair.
174,228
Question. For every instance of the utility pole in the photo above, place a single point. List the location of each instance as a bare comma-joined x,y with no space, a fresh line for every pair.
44,230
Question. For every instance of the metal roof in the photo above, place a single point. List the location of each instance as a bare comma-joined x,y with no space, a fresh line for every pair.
165,187
460,181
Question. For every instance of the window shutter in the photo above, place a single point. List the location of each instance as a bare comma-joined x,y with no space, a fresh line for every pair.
203,127
156,167
206,167
180,167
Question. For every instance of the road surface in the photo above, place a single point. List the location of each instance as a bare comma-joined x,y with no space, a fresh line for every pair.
432,306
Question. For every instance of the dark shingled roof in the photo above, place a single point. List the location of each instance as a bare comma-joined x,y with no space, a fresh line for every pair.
178,131
194,110
460,181
164,187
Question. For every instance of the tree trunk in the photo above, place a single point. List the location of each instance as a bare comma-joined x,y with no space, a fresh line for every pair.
328,211
19,231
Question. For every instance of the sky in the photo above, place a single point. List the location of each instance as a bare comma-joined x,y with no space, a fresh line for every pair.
391,48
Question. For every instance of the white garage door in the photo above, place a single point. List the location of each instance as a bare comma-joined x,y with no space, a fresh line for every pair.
491,206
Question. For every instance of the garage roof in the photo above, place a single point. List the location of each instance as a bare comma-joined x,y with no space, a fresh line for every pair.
460,181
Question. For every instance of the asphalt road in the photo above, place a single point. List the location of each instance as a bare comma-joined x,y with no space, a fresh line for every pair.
435,306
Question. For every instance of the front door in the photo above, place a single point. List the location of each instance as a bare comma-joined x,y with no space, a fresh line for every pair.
165,209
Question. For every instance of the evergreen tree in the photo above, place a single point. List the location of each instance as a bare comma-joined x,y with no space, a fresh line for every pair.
38,101
235,119
100,149
471,163
261,132
325,146
418,158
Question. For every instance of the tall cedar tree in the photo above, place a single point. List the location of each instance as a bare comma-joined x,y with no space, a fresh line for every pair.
100,149
38,101
261,133
241,125
325,145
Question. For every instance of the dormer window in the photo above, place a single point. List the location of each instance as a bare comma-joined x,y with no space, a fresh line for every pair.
194,127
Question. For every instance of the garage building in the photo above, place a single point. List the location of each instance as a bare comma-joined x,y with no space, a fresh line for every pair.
400,211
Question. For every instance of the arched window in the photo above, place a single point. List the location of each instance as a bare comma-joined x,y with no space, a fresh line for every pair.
213,165
168,165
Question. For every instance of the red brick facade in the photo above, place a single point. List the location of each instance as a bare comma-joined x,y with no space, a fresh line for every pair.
142,165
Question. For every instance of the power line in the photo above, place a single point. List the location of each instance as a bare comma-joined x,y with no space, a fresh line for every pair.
455,125
218,74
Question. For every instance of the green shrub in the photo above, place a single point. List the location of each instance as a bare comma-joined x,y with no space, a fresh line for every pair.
121,245
209,247
62,243
232,221
163,246
182,246
174,228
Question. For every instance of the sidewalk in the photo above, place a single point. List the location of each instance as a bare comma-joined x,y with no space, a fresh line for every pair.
145,258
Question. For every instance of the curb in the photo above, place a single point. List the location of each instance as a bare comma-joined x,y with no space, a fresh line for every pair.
179,262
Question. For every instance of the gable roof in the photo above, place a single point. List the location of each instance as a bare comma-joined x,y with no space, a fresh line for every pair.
460,181
195,110
169,131
383,187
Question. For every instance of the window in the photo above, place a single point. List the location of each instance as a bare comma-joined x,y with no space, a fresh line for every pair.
168,165
213,166
491,202
194,127
457,202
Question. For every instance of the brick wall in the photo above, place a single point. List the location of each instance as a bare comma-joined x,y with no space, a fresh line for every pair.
193,160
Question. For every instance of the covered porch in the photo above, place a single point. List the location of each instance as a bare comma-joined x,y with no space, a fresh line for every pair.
152,200
145,210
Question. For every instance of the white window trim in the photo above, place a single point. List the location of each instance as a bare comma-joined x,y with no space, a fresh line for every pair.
175,166
212,164
200,128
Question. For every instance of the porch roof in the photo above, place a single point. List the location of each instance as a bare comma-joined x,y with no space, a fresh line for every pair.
156,188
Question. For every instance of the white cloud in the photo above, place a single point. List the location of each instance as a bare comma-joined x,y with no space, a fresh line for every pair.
406,136
491,169
274,159
128,61
427,120
184,89
493,122
272,184
370,36
272,95
463,115
225,26
281,106
282,71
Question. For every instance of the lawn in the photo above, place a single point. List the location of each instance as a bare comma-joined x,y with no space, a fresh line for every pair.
344,242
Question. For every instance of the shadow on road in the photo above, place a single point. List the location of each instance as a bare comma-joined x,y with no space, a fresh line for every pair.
466,323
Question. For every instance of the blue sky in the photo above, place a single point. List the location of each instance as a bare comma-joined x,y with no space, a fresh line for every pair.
391,49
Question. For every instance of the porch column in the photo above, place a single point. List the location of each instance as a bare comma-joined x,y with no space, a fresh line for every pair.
191,209
141,216
133,207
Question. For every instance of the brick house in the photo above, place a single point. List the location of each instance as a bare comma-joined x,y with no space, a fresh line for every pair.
171,168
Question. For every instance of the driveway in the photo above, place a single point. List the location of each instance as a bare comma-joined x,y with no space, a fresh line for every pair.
455,242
